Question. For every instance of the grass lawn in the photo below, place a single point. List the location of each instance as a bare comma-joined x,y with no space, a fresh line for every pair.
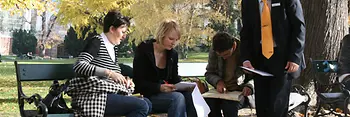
8,84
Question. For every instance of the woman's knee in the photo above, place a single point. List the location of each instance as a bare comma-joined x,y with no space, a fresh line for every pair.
149,103
142,106
178,99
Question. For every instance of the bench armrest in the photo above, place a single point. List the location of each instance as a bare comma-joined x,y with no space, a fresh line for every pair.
298,89
31,99
301,90
36,98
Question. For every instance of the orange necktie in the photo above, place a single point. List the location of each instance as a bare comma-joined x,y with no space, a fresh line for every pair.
266,31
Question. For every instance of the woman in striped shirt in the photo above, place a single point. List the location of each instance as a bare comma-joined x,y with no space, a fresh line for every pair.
100,89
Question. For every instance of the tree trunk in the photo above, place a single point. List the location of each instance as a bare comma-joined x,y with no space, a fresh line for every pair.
326,25
182,51
41,39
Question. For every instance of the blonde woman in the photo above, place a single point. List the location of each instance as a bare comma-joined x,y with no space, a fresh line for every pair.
156,72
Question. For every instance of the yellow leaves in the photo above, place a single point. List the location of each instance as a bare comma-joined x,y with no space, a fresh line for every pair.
21,6
83,13
192,15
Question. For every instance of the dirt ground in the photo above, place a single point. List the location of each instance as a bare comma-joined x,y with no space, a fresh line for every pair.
246,112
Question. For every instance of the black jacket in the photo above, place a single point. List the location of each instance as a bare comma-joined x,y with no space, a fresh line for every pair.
146,75
288,32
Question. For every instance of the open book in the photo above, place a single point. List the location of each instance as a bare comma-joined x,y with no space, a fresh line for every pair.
235,95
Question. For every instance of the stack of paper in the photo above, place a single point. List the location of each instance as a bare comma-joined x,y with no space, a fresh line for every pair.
185,86
235,95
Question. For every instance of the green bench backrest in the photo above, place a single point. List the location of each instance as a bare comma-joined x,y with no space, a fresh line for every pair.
41,72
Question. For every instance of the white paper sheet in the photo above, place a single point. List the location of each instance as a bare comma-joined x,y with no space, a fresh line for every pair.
201,106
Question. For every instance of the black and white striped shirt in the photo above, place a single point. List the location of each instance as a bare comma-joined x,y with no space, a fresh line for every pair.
89,90
93,61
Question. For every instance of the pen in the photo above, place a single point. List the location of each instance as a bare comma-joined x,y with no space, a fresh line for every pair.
165,82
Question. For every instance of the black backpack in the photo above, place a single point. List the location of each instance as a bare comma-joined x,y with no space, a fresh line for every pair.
54,100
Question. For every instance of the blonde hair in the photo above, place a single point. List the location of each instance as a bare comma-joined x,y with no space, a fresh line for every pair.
165,27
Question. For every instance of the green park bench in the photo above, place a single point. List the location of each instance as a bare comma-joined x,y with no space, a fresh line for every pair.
50,72
39,72
43,72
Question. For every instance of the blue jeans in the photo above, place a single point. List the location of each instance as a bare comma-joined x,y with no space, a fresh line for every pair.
119,105
176,104
230,108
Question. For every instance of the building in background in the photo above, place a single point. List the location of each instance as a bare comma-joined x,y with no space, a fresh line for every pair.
28,21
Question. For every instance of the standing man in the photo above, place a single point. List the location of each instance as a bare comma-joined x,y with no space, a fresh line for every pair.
272,40
223,73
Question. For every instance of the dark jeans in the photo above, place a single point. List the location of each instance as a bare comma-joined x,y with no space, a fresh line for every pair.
176,104
230,108
272,96
119,105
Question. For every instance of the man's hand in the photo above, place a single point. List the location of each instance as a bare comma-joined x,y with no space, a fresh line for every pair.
246,91
292,67
220,86
248,65
167,88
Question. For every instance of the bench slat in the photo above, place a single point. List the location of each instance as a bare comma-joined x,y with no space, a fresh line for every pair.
40,72
60,115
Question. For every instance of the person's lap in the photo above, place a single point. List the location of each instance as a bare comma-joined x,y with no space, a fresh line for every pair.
124,105
176,104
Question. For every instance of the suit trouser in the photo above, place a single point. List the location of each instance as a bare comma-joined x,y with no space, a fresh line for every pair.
272,96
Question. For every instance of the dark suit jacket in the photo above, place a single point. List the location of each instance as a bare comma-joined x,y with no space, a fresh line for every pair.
146,75
288,29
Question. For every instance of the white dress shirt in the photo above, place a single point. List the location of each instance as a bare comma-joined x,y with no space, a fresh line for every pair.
109,46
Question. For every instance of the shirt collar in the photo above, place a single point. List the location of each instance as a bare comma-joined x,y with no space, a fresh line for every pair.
106,41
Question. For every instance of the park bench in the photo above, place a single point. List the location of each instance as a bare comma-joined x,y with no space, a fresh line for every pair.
39,72
50,72
45,72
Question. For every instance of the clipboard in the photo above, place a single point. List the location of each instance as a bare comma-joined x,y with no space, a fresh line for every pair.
262,73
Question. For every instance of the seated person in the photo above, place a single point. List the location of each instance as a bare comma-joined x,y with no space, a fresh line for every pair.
100,89
30,55
156,72
223,72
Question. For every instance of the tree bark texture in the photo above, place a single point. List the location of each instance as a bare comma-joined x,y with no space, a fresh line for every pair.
326,24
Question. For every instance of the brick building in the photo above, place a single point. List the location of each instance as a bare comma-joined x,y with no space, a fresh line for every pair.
5,45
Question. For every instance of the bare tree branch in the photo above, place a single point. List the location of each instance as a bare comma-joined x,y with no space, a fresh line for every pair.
51,25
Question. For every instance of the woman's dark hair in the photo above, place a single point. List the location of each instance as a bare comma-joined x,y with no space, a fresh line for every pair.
114,18
222,41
